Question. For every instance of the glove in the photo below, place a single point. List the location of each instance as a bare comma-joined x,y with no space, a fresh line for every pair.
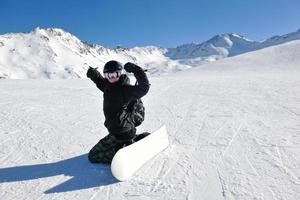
92,72
131,67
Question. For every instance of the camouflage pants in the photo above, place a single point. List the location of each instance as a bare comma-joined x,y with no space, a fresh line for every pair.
105,149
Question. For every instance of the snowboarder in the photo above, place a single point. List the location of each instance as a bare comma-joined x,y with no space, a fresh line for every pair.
122,106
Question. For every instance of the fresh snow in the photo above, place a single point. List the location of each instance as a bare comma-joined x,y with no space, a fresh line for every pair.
233,128
222,46
53,53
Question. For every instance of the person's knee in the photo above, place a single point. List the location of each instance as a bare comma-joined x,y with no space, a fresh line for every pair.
92,157
104,150
100,157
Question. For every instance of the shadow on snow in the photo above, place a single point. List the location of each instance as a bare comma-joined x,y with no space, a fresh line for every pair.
84,174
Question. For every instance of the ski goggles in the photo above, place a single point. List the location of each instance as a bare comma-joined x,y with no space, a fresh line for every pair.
113,75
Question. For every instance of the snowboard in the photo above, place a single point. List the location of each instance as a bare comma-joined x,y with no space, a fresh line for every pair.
130,159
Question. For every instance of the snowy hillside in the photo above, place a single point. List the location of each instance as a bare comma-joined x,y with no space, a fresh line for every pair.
275,40
222,46
54,54
284,57
233,127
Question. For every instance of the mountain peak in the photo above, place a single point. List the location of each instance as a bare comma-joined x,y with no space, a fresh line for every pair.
52,31
55,33
229,36
221,45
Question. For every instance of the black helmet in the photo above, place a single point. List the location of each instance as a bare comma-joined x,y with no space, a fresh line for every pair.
112,66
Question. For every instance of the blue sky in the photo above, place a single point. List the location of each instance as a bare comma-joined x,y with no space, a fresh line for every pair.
165,23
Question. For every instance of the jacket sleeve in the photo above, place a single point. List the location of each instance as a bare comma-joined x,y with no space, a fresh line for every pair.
141,89
99,80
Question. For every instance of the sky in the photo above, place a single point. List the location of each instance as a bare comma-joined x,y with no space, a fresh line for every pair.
164,23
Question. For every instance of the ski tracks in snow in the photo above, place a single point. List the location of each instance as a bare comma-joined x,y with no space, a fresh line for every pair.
227,126
231,137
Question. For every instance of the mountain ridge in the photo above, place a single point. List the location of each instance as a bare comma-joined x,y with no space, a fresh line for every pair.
53,53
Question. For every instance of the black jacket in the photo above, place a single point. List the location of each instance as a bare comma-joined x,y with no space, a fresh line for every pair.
116,97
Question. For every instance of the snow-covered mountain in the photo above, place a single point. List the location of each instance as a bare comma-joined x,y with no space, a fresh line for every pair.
222,46
275,40
53,53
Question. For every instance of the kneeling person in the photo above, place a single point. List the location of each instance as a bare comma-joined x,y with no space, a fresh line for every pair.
123,109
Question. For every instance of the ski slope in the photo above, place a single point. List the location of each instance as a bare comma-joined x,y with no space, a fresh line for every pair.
234,130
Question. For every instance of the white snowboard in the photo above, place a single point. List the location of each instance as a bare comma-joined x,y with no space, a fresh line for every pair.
129,159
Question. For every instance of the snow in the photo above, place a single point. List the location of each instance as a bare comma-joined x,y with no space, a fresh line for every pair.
222,46
233,128
53,53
